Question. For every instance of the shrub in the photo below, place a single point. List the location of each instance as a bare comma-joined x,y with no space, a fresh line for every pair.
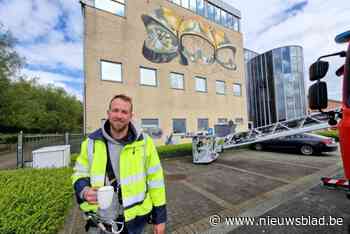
8,139
174,150
34,200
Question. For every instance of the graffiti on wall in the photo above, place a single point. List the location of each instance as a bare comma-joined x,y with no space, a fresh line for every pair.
191,40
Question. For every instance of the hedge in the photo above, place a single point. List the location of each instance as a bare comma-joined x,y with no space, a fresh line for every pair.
34,200
175,150
8,138
329,133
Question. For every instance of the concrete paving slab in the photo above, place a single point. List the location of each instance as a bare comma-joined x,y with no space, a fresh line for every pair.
233,186
186,206
276,169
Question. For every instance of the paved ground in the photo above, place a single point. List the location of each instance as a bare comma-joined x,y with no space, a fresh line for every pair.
247,183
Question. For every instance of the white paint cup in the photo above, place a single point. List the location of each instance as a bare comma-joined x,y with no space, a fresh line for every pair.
105,196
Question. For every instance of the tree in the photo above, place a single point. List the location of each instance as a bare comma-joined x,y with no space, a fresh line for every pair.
10,63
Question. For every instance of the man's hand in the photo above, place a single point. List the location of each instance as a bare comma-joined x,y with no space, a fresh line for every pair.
159,228
90,195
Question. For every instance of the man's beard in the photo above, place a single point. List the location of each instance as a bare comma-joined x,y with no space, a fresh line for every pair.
119,128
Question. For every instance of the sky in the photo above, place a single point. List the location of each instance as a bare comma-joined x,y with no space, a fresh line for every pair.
49,34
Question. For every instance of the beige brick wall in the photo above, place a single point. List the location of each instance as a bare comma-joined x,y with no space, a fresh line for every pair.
120,39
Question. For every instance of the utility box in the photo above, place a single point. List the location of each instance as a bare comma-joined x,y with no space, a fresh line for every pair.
52,156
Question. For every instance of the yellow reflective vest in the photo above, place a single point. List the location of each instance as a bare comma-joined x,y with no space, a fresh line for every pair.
141,175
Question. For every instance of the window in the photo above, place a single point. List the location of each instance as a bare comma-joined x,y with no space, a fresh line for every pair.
151,127
201,84
114,6
203,124
220,87
176,80
179,125
210,12
176,2
222,120
234,24
224,18
237,90
229,20
148,76
111,71
217,15
149,123
200,7
193,5
185,3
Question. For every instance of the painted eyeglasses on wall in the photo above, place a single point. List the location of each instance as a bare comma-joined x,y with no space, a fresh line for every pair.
193,41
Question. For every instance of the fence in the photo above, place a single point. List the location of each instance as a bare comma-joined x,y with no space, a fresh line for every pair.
27,143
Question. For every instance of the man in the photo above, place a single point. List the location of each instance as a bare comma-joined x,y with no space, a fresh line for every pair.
118,154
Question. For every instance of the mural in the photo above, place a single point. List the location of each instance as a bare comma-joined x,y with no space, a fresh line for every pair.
193,41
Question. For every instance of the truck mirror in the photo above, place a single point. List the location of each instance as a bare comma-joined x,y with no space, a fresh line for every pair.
318,98
318,70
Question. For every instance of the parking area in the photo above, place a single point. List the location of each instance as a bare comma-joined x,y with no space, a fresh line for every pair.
240,183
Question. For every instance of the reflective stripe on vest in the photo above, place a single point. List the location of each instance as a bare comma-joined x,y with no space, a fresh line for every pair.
156,183
90,145
134,199
132,179
154,169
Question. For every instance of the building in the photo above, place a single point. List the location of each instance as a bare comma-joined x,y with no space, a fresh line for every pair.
275,85
181,62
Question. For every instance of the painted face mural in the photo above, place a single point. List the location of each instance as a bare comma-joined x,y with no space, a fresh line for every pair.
193,41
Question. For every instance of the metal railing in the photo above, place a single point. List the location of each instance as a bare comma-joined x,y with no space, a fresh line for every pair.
27,143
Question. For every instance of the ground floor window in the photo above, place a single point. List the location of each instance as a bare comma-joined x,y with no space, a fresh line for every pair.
203,124
179,125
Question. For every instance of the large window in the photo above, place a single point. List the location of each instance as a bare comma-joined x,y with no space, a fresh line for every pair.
179,125
148,76
220,87
201,84
151,127
114,6
237,90
176,80
149,123
203,124
111,71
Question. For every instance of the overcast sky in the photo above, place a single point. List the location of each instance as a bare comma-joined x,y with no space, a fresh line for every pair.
49,34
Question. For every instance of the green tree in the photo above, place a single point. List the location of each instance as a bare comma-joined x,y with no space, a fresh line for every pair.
43,109
10,63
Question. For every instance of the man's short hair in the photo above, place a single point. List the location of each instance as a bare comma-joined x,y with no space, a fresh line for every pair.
122,97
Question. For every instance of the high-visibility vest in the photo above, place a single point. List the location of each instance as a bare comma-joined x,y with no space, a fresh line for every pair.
141,175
